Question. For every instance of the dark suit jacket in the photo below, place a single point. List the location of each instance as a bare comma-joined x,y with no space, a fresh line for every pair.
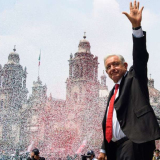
134,112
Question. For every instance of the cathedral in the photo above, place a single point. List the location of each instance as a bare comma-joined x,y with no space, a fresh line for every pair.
57,127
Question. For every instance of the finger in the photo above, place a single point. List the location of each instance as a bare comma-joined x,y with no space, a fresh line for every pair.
135,5
138,5
131,5
126,14
141,9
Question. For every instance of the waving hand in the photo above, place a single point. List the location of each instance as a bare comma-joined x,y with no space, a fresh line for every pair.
135,15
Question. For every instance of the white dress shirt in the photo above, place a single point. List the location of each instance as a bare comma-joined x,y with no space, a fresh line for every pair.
117,133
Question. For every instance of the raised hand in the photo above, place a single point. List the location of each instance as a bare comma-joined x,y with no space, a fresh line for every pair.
135,15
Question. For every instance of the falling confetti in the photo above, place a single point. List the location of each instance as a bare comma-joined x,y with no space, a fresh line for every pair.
58,128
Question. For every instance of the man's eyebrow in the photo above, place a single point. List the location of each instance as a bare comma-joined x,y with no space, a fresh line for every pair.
114,62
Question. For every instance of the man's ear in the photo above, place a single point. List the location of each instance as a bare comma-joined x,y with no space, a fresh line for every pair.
125,65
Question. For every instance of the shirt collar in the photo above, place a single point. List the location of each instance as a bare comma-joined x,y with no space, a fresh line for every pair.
121,78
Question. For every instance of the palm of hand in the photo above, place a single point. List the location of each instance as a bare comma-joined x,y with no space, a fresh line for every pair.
135,15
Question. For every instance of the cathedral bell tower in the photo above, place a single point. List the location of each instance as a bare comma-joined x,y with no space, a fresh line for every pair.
82,84
13,82
13,94
82,92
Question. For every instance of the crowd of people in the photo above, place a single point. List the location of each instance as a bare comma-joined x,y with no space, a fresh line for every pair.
35,155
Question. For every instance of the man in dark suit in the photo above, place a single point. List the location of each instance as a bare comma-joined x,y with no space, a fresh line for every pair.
129,125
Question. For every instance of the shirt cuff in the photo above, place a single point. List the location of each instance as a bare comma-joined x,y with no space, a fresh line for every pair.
102,151
138,33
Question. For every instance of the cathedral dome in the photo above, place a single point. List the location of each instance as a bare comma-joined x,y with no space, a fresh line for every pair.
13,58
84,45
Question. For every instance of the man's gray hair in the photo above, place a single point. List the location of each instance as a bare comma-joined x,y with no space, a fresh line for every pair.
111,55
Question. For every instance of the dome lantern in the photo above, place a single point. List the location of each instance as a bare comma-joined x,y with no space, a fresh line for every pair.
84,45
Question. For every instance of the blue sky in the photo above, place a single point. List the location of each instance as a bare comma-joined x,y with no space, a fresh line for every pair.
57,26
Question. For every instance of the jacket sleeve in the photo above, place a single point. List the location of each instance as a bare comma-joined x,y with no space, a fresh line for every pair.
140,57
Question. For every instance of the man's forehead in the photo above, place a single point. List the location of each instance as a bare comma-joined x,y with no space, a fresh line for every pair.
112,59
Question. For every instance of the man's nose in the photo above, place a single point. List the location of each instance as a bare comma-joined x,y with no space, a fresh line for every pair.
112,67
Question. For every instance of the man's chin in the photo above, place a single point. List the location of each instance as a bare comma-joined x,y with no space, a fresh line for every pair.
115,79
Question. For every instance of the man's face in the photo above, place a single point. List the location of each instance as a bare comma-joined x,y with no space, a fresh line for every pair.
115,68
32,154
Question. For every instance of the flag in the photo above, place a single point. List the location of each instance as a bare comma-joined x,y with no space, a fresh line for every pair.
39,59
30,146
81,147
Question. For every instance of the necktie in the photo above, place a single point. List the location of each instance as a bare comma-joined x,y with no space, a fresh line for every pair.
110,115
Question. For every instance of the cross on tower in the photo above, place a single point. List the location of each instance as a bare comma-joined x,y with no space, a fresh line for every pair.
14,48
84,35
